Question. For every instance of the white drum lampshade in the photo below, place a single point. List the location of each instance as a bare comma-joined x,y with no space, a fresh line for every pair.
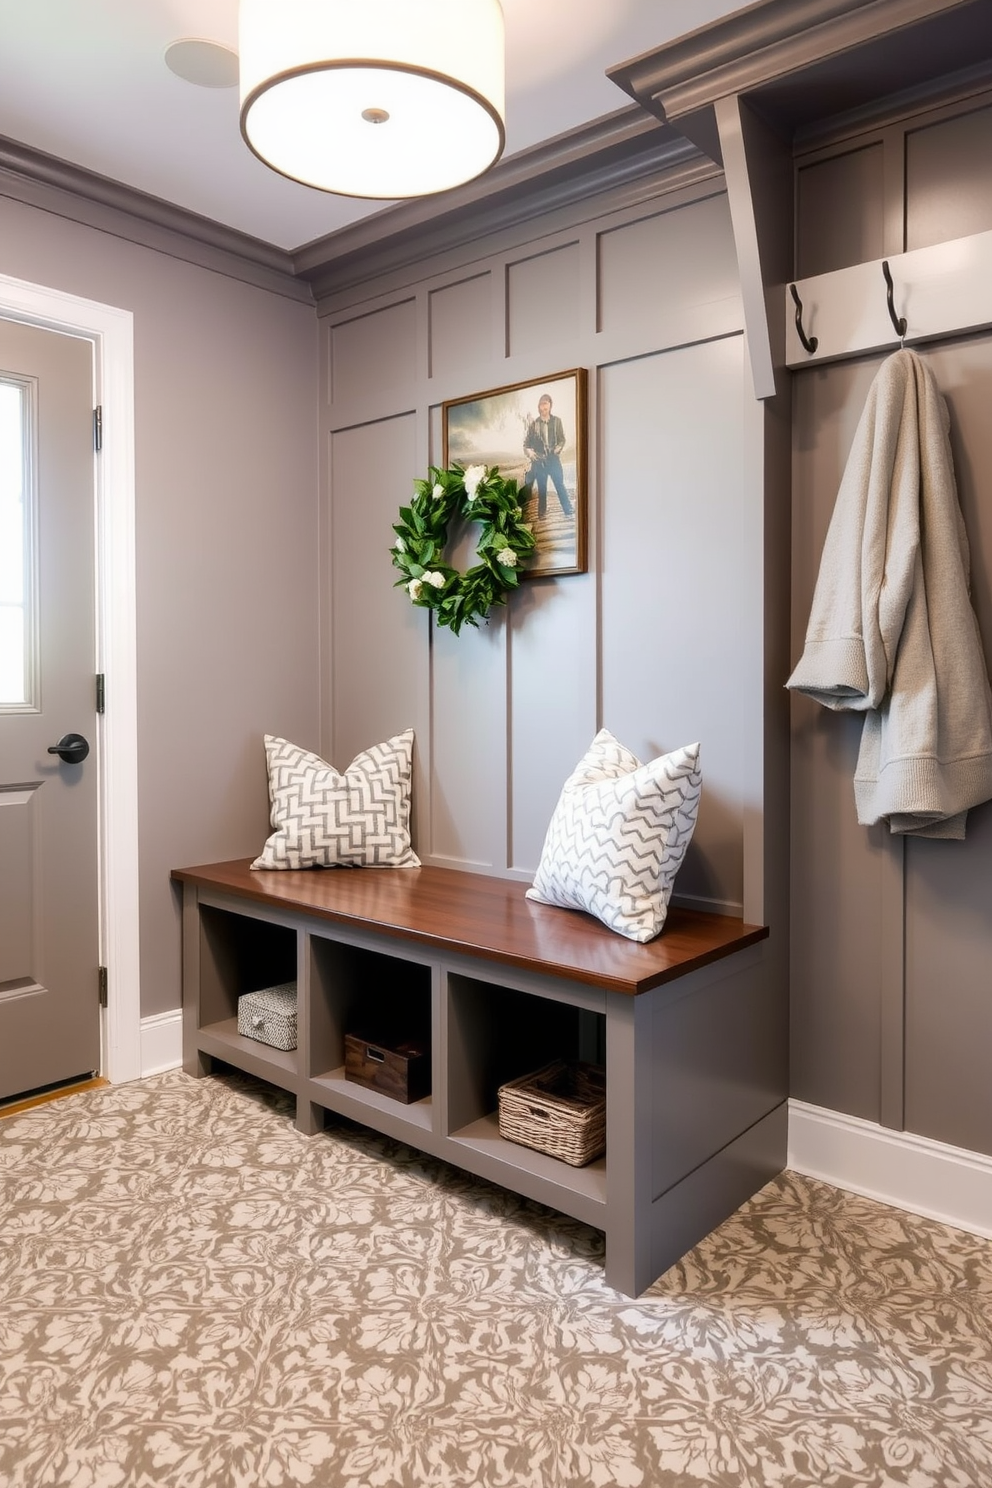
373,98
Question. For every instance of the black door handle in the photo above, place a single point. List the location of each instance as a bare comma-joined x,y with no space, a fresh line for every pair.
72,749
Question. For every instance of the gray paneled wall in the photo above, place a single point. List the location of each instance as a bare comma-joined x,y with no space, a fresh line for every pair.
375,354
650,641
948,183
544,300
374,631
673,435
891,940
830,239
919,180
948,891
696,250
554,713
837,866
460,323
891,943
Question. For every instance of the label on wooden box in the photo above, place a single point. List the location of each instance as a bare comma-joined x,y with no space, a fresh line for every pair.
401,1070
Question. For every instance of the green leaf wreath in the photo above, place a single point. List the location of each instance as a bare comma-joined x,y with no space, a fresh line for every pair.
477,494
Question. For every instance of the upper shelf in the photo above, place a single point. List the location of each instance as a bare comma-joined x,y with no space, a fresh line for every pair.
801,61
941,291
752,88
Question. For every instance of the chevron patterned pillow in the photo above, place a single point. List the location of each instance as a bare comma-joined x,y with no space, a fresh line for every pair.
618,836
323,819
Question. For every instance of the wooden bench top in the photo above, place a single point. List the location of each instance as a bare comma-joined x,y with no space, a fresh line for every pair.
476,915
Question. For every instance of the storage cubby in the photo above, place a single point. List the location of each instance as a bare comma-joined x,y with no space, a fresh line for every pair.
495,1034
237,954
463,963
386,999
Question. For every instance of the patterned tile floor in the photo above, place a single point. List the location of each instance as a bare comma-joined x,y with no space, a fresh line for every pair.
192,1295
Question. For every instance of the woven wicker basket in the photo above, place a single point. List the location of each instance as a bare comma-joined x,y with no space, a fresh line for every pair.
560,1110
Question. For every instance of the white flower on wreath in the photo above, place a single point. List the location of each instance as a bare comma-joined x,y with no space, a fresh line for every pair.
415,587
507,557
473,478
399,545
434,578
438,492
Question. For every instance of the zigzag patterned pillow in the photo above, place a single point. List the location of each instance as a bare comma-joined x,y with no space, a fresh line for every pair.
618,836
324,819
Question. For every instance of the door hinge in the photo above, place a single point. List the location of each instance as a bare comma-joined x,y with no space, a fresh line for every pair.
98,427
101,692
103,986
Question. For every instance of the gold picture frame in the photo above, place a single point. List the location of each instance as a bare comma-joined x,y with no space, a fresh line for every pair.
506,427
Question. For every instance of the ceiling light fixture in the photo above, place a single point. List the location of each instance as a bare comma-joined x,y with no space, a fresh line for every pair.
373,98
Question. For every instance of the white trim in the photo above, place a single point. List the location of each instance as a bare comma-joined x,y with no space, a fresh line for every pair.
161,1042
112,333
949,1184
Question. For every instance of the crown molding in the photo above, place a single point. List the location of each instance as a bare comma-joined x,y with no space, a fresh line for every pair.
83,196
613,153
618,152
804,59
800,63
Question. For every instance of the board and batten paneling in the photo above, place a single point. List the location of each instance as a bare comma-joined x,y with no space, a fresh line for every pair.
553,688
674,585
948,182
465,826
891,942
650,641
375,354
840,210
468,747
461,326
949,987
553,636
544,301
379,654
658,274
837,866
949,884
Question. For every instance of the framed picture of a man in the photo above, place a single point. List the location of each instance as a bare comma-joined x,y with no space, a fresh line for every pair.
535,434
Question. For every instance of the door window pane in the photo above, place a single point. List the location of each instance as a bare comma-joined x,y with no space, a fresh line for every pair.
16,557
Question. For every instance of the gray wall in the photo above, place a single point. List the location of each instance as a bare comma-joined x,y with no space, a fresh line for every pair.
661,640
226,515
892,942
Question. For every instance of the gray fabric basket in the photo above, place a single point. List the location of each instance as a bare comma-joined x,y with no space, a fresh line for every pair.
269,1015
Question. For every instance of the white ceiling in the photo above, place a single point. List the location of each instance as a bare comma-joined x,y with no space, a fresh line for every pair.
85,80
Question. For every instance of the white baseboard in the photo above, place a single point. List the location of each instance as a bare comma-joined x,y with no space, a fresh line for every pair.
920,1175
161,1042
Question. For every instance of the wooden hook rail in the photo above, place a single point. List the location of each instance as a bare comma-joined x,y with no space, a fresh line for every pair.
941,291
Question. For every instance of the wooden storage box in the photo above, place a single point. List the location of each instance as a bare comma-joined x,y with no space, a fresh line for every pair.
560,1110
400,1069
269,1015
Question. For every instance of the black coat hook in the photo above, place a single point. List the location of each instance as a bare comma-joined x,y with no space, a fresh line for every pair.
898,321
810,343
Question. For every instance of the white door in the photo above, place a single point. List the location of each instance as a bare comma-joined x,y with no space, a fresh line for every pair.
49,887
